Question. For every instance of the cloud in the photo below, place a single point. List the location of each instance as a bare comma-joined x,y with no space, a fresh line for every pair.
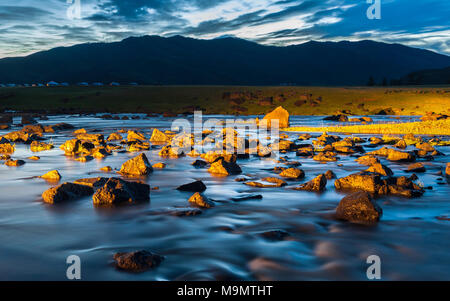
28,26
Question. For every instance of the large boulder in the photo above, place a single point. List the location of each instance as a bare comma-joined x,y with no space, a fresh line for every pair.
117,191
138,261
279,114
197,186
138,166
366,181
66,192
359,207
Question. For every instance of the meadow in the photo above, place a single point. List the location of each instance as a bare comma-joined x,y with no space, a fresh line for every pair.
228,99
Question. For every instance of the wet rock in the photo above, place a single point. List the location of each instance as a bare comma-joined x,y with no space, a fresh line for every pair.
197,186
279,114
34,158
14,163
247,197
171,152
416,167
159,137
135,136
339,118
66,192
92,182
395,155
292,173
7,148
325,157
53,175
138,166
137,262
201,201
106,169
367,160
366,181
222,167
33,129
425,147
117,191
317,184
58,127
305,152
159,165
93,138
114,137
359,207
381,169
84,159
274,235
37,146
447,170
330,175
185,212
401,144
199,163
431,116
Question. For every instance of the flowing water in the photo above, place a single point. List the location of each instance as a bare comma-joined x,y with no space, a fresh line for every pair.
223,243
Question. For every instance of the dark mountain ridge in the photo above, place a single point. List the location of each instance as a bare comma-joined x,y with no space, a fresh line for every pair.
225,61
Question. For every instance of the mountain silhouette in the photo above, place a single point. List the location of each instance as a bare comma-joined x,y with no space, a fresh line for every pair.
225,61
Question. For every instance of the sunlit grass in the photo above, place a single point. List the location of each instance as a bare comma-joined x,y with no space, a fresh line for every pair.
439,127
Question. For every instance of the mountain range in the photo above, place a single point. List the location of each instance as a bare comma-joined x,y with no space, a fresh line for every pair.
226,61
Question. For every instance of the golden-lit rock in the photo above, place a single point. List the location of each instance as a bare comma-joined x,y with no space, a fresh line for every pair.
159,165
66,192
114,137
133,136
138,166
292,173
359,207
7,148
201,201
279,114
222,167
37,146
117,191
14,163
159,137
317,184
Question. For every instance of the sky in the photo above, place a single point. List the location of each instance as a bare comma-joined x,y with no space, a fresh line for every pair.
28,26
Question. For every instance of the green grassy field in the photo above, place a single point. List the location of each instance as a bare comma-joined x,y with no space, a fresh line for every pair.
213,99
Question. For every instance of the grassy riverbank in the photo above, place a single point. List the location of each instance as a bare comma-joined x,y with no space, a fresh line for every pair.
439,127
217,100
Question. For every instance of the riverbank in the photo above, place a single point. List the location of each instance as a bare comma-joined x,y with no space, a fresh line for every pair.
437,127
231,100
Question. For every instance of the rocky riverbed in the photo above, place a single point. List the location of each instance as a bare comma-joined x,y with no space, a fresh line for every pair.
306,207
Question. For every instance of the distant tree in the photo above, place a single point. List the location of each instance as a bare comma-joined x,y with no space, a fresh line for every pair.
371,82
385,82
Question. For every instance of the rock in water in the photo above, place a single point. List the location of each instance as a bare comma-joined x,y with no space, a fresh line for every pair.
221,167
138,166
365,181
416,167
138,261
117,191
158,136
381,169
201,201
66,192
359,207
447,170
292,173
52,176
197,186
279,114
317,184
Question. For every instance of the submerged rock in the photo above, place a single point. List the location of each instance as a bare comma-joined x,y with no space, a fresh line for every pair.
201,201
117,191
317,184
138,166
66,192
330,175
138,261
197,186
359,207
274,235
92,182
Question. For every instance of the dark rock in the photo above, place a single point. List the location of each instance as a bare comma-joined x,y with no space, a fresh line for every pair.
139,261
197,186
359,207
117,191
66,192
